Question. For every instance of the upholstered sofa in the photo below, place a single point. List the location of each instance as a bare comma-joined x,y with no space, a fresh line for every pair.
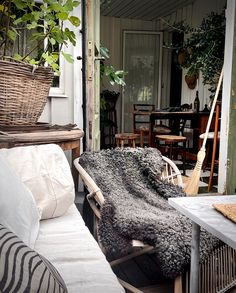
44,243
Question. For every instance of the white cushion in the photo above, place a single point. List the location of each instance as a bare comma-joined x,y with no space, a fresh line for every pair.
67,243
210,135
45,170
18,210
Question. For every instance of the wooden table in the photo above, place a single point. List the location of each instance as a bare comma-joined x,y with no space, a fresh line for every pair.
66,139
201,212
198,122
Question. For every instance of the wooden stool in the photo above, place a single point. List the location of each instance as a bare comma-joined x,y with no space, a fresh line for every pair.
172,142
122,137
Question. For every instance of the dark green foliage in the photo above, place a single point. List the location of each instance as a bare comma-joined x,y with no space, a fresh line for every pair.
204,48
113,76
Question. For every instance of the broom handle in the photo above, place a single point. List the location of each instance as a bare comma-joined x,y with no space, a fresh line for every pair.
212,110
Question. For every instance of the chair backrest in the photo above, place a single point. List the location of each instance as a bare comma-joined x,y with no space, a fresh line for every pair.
141,114
171,174
144,107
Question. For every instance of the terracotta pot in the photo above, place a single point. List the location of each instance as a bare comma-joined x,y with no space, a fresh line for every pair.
191,81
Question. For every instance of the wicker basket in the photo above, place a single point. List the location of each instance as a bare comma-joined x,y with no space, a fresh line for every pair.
23,92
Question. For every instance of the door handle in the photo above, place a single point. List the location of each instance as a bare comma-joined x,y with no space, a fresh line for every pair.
99,58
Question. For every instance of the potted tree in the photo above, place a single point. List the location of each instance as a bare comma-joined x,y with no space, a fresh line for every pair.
203,49
26,75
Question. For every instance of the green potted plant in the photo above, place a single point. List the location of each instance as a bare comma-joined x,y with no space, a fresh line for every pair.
108,99
26,76
203,49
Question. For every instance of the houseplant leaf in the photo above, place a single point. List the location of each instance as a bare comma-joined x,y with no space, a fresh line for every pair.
68,57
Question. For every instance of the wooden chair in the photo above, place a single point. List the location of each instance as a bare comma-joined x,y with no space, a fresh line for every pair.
141,113
216,274
214,137
95,198
172,143
141,122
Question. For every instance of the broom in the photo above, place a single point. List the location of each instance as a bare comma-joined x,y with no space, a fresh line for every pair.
192,186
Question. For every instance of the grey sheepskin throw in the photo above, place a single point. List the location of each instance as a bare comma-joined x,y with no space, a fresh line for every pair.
136,207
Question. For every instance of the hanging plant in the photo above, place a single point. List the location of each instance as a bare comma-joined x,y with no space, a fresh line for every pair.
203,49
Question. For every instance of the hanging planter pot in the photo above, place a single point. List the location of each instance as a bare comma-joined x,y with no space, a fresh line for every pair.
23,92
191,81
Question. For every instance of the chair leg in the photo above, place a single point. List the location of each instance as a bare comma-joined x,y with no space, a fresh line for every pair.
178,288
129,287
184,158
215,140
127,257
141,138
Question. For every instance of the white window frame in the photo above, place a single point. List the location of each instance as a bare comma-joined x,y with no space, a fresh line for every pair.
60,90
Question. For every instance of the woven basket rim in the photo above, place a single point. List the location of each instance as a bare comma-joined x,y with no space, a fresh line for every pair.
9,60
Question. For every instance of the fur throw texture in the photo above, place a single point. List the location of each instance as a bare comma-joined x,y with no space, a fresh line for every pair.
136,207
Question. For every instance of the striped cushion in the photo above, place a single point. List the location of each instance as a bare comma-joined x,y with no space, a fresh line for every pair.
24,270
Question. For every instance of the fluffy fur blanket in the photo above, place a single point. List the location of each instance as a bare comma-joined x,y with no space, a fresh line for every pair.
136,207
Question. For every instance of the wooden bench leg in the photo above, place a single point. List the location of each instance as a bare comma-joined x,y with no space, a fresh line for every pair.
117,142
141,138
178,288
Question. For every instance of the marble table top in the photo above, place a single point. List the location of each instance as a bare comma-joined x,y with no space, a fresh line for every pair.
200,210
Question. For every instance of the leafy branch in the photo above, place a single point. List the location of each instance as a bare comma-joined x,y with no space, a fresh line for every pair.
204,48
45,22
113,76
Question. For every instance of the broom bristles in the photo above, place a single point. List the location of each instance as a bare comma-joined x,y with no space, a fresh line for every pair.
192,187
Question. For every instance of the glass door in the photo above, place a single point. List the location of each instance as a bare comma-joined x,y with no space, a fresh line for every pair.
142,57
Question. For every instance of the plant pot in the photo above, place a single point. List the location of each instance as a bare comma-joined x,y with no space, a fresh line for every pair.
191,81
24,90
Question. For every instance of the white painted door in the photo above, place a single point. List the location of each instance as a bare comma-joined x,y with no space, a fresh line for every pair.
93,75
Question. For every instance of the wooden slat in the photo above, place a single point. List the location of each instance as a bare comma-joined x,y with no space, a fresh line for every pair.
142,9
43,136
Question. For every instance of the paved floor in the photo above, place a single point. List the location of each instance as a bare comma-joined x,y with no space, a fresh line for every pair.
204,178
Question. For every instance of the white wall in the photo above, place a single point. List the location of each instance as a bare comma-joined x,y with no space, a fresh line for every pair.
66,107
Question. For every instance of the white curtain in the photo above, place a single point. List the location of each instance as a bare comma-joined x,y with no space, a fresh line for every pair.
141,61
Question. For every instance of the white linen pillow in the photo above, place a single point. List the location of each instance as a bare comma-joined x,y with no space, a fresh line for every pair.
18,209
45,170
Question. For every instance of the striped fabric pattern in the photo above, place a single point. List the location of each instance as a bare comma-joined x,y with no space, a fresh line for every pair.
24,270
